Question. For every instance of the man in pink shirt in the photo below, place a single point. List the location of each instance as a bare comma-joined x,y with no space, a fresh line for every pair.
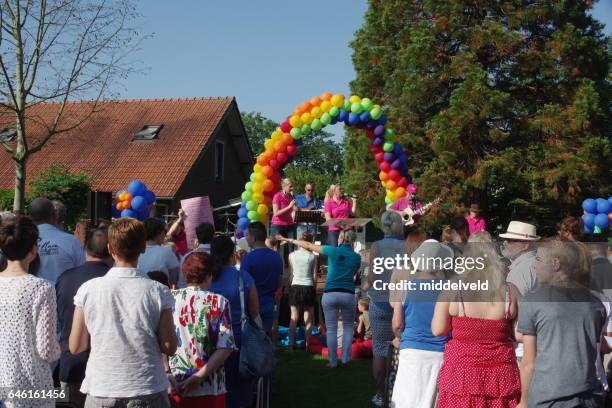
475,221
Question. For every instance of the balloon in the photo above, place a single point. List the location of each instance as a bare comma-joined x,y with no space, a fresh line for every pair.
603,206
295,121
257,198
326,96
379,157
367,103
346,105
296,133
262,160
282,157
383,176
388,201
305,129
268,185
139,203
382,120
268,143
353,119
337,100
342,115
389,157
119,206
379,130
257,187
402,182
355,99
253,177
396,164
251,205
291,150
118,194
267,170
588,220
243,223
257,168
391,195
316,125
262,209
129,213
394,175
588,230
248,186
136,188
150,197
127,197
306,118
325,106
375,113
306,106
589,205
246,196
356,108
601,221
315,101
364,116
391,185
253,216
285,127
279,146
384,166
242,212
316,112
334,111
274,164
326,119
400,192
388,146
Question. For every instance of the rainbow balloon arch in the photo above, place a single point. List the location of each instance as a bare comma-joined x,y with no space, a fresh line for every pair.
283,145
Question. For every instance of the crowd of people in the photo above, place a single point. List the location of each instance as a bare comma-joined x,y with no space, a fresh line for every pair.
127,313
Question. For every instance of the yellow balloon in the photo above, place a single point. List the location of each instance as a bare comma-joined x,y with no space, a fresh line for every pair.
306,118
260,177
257,197
316,112
390,194
258,188
257,168
354,99
268,143
325,106
276,136
262,209
337,100
295,121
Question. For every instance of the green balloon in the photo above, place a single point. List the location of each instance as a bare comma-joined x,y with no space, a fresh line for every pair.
367,104
253,216
251,206
253,177
316,125
246,196
388,146
389,132
248,186
296,133
388,200
305,130
334,111
347,105
325,119
356,108
376,113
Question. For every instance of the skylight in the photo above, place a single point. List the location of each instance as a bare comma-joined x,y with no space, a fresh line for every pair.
148,132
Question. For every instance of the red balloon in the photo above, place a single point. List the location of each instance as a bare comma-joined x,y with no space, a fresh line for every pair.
385,166
370,133
286,127
379,157
375,149
394,175
275,177
402,182
274,164
291,149
281,157
267,200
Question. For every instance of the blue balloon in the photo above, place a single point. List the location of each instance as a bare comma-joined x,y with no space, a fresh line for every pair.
365,116
128,212
588,230
589,205
115,212
371,125
139,203
242,212
149,197
397,149
383,119
588,220
243,223
353,119
602,221
136,188
342,115
603,206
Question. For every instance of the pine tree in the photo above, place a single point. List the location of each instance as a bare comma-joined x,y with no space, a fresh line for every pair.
501,102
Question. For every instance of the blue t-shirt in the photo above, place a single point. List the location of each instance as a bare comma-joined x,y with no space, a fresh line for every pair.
226,285
302,202
343,262
418,313
266,268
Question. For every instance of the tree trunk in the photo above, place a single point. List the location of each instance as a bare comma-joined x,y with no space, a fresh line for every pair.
20,178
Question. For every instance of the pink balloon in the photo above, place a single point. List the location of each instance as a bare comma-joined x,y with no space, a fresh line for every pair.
291,149
286,127
384,166
281,157
394,175
274,164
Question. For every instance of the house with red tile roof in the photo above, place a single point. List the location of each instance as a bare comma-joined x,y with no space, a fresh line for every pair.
180,148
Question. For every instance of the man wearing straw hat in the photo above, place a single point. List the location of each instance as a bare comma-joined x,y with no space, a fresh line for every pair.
518,248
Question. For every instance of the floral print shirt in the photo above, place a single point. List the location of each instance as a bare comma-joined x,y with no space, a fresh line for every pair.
203,325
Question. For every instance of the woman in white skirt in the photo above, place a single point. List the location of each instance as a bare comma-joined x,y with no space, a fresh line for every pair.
421,353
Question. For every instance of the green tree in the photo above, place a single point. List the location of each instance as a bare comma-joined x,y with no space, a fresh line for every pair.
504,103
318,152
57,183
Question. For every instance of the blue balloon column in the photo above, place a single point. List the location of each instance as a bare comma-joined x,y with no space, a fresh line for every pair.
135,202
597,214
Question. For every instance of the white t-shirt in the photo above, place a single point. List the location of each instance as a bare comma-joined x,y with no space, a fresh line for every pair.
122,311
58,251
157,258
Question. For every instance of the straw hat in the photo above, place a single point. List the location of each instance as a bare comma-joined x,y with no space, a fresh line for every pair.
520,231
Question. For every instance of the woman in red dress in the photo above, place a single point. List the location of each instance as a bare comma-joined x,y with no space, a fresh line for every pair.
480,368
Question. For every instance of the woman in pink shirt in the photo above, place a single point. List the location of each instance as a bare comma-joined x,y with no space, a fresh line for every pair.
475,221
337,205
283,205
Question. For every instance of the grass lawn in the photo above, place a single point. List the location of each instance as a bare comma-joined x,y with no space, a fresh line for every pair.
303,381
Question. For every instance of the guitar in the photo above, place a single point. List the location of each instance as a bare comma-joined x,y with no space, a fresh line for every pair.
409,214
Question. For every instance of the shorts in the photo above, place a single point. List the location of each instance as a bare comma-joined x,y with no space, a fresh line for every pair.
302,295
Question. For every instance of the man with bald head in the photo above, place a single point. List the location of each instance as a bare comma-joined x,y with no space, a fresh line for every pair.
58,250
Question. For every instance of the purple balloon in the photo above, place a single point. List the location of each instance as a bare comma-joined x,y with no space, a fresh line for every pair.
378,141
389,157
239,233
396,164
379,130
371,125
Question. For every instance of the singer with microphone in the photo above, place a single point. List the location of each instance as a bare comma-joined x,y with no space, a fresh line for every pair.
337,205
283,206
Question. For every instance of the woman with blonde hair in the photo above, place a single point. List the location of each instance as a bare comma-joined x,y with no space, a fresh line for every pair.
337,205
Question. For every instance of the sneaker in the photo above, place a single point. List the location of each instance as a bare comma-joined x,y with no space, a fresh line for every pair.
377,400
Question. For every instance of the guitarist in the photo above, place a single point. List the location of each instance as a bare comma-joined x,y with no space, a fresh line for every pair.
409,201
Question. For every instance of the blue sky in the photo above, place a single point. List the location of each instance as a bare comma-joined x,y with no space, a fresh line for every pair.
271,55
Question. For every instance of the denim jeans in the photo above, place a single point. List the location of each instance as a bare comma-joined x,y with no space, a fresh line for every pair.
332,237
345,304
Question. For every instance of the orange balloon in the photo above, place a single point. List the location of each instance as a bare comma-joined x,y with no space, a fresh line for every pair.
298,111
306,106
400,192
128,197
267,171
287,139
268,200
262,160
383,176
268,185
326,96
315,101
391,185
279,146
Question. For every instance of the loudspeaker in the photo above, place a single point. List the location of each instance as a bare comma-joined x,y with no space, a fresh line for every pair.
99,205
